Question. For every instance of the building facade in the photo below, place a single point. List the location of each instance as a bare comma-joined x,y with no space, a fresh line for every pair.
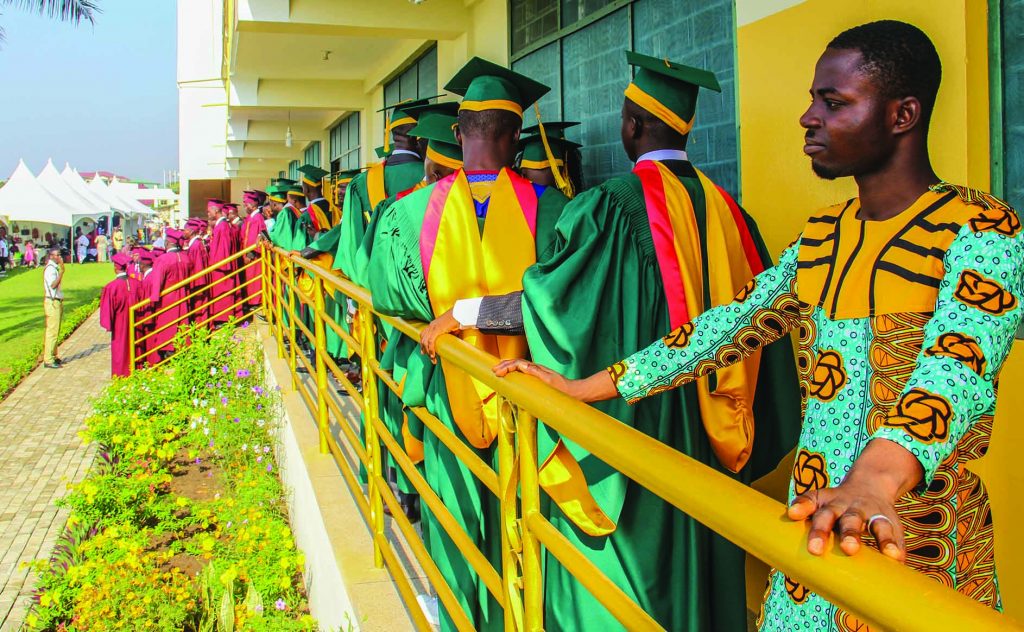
266,85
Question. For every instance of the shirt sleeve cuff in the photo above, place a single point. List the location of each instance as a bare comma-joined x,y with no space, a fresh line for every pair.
466,311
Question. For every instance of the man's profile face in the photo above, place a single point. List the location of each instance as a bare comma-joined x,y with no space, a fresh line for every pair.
848,127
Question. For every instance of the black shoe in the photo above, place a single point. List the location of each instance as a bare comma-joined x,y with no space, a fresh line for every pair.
58,361
51,365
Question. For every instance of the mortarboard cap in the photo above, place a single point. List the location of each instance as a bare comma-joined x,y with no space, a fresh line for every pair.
120,260
485,85
404,112
668,90
156,252
147,257
295,190
312,175
534,156
230,207
381,152
553,129
282,182
346,175
276,194
173,234
214,204
442,147
251,197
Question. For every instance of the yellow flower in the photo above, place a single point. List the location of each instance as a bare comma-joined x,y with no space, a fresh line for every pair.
44,599
284,582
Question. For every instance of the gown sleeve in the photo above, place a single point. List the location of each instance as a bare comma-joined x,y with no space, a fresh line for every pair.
106,309
395,272
354,218
965,343
673,360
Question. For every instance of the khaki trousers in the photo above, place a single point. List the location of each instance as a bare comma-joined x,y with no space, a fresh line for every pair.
54,311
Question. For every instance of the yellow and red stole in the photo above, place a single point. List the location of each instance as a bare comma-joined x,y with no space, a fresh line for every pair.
727,411
460,262
375,188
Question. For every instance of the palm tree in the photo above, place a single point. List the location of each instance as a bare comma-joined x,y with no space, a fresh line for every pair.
74,11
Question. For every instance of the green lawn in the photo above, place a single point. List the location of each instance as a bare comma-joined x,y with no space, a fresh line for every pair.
21,313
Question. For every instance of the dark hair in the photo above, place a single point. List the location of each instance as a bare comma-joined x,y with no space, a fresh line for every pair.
54,251
899,57
488,124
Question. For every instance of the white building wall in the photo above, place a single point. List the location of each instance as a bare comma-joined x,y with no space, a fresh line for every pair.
202,108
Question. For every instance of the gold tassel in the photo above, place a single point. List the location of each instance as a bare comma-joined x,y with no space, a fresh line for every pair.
563,183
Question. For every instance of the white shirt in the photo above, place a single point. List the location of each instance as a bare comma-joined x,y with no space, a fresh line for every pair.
194,239
467,310
158,242
49,278
83,242
663,154
404,151
3,248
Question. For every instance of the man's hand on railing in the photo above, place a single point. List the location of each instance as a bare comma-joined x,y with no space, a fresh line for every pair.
596,388
865,502
443,324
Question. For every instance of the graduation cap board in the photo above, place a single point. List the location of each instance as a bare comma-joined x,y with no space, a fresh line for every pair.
295,190
553,129
400,115
535,156
484,85
281,182
668,90
381,152
442,147
346,176
312,175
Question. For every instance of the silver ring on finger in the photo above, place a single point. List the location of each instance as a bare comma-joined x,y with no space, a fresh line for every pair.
875,517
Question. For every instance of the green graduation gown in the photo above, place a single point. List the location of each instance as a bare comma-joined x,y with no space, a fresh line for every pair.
595,298
336,347
399,288
284,234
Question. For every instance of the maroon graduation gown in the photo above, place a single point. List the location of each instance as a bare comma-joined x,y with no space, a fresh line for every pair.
200,259
170,268
119,295
254,225
221,247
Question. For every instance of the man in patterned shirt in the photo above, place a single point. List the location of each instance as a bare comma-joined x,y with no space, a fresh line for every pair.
906,300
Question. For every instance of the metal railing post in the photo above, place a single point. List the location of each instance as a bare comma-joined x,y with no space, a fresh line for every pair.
264,286
323,421
508,485
278,323
293,344
373,446
131,339
529,485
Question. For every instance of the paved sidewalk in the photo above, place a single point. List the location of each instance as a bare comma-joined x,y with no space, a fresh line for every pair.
40,453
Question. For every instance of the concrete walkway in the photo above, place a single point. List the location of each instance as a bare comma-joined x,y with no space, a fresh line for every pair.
40,453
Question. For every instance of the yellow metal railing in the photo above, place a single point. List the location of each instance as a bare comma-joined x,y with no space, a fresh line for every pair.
753,521
143,322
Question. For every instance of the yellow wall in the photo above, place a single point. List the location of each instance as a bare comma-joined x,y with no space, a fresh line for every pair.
777,53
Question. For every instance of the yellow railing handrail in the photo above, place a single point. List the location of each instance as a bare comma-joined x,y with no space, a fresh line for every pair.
190,280
739,513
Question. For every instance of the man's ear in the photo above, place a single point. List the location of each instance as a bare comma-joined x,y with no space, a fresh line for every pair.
515,137
636,126
458,133
907,114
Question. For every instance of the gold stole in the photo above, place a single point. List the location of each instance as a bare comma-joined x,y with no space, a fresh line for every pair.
459,262
375,185
726,412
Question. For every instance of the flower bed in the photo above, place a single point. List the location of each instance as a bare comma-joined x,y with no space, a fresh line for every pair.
181,524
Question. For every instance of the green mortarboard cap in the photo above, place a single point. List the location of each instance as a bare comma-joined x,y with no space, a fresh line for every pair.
436,127
553,129
380,152
404,110
668,90
532,148
282,182
347,174
450,108
295,189
485,85
276,194
312,175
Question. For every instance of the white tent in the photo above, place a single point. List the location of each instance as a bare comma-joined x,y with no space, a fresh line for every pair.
24,199
136,207
77,184
52,181
97,186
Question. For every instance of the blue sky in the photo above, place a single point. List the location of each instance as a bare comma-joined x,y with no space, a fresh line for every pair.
101,97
